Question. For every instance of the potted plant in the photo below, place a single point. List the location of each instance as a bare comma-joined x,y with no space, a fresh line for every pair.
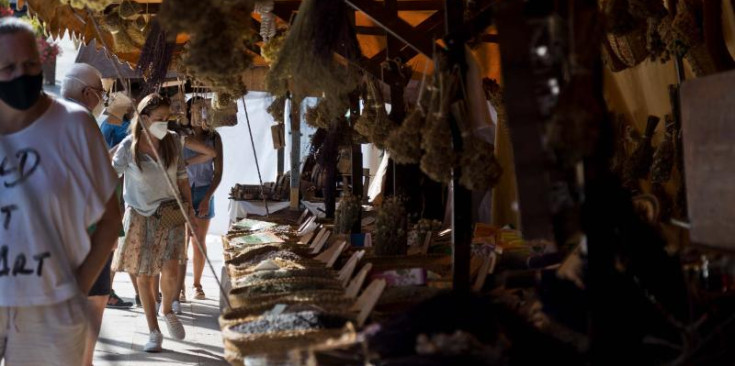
49,51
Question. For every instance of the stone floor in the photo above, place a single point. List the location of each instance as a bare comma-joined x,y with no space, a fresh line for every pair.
124,332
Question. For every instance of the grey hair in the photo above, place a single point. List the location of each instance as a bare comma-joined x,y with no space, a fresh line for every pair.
11,25
72,88
79,77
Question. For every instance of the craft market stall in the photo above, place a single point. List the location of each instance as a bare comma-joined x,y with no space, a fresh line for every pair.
555,184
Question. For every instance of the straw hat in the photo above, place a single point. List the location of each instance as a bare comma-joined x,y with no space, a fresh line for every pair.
118,105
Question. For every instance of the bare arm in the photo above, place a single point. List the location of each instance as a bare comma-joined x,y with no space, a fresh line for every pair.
206,153
103,239
216,179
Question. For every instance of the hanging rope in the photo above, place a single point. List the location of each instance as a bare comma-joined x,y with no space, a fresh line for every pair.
170,183
255,155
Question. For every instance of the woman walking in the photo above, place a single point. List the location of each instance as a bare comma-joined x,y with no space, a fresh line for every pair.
205,174
153,232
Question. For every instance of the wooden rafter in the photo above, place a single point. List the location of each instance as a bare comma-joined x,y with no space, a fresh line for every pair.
394,25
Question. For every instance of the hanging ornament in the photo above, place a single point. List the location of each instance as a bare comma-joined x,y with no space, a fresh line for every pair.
267,19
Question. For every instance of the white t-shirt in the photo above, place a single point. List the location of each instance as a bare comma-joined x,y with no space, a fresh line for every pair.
55,179
145,187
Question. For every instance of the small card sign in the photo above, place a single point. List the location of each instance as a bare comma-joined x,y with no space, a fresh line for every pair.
367,301
320,244
356,284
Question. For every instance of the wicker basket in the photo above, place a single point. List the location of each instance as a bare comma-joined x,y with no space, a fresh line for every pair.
274,275
326,301
439,263
287,285
238,346
630,48
242,301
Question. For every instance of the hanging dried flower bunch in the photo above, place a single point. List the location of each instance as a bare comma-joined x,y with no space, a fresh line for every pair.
374,123
404,142
391,236
638,164
155,58
127,36
277,109
94,5
663,157
321,29
326,112
348,212
480,168
217,53
654,43
436,137
272,48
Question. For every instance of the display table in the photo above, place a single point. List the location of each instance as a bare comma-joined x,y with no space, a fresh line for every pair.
242,209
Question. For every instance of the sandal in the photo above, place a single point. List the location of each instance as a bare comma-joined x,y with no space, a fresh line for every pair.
199,293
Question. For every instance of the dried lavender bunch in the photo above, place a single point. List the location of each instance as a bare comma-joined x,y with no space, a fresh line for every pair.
390,231
374,122
404,143
155,58
298,321
639,163
307,55
277,109
347,213
480,169
663,157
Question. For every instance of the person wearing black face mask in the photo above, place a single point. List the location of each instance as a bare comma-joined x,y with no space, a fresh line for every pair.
55,183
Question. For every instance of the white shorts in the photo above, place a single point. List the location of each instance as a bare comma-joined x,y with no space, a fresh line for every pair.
44,335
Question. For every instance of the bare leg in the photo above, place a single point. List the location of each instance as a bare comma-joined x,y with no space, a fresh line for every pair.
201,231
135,283
148,299
182,267
96,308
169,284
156,285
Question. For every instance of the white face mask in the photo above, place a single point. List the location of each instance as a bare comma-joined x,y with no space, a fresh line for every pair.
97,111
158,129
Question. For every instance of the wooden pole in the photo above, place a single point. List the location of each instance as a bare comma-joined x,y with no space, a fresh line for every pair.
295,118
461,197
356,160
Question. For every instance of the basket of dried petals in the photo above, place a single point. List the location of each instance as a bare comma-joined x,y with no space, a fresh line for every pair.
324,301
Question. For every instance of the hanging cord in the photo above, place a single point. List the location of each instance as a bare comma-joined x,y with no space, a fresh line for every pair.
255,155
170,183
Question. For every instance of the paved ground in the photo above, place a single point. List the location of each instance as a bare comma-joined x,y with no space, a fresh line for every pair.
125,332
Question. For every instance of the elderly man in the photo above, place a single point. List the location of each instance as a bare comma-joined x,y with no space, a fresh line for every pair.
83,85
56,181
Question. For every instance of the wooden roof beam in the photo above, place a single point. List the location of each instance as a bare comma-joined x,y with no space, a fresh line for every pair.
394,25
433,26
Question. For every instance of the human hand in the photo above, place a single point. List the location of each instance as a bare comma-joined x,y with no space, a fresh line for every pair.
204,208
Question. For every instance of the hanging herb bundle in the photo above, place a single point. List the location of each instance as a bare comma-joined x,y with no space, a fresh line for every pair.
391,236
654,43
404,142
217,53
155,58
663,157
326,112
94,5
347,213
307,58
639,163
480,168
374,123
277,109
272,48
436,138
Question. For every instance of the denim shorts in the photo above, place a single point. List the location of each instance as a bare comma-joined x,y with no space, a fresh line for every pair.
197,194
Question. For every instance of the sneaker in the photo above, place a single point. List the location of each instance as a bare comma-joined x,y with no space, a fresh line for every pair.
155,340
137,301
199,293
115,302
182,297
175,328
176,307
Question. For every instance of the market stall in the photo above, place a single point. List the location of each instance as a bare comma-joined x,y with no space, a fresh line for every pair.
539,211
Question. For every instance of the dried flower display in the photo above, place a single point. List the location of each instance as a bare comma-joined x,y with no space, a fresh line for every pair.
217,53
347,213
155,57
390,228
480,169
404,142
94,5
272,48
277,109
307,57
436,138
374,123
47,50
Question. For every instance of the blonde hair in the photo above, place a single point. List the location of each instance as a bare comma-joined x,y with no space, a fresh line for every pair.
167,148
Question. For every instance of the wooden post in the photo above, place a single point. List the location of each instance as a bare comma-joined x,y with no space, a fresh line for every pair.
461,197
356,160
295,118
